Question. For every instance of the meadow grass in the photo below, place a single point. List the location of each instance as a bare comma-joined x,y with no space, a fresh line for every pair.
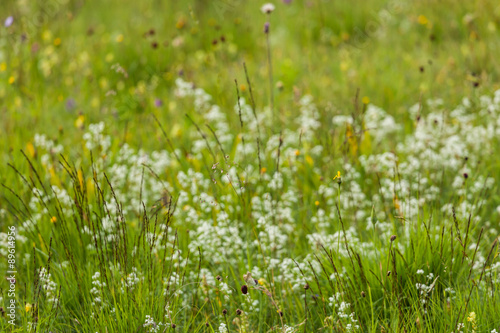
202,166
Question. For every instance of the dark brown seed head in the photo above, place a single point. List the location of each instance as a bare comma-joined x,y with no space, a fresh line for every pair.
393,238
466,175
363,294
219,278
224,312
239,312
281,313
244,289
306,286
388,273
207,324
173,326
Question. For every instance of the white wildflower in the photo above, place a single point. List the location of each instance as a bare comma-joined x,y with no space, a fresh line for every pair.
268,8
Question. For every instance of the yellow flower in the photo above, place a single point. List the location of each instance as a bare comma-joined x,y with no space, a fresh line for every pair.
53,219
80,121
180,24
262,281
31,149
338,178
316,203
263,170
472,320
28,307
3,67
119,38
422,20
472,317
57,41
297,153
12,79
46,35
365,100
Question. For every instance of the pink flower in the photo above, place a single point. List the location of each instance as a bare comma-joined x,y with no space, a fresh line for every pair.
8,21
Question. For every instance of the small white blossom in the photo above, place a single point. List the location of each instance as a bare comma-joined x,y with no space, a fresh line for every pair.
268,8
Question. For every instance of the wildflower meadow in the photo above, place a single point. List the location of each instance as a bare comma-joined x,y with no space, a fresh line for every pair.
242,166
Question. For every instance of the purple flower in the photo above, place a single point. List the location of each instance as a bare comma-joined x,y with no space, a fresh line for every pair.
266,28
287,2
8,21
158,102
70,104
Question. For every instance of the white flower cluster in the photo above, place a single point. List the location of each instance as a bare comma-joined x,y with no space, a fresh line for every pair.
48,285
460,326
48,149
131,281
96,290
151,325
344,313
224,288
95,138
222,328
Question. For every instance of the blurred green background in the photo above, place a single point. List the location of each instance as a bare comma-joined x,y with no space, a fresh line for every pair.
117,61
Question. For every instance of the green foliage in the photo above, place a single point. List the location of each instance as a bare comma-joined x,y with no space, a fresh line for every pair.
148,187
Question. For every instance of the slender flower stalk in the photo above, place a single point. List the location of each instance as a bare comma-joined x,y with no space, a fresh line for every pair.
338,178
268,9
270,68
